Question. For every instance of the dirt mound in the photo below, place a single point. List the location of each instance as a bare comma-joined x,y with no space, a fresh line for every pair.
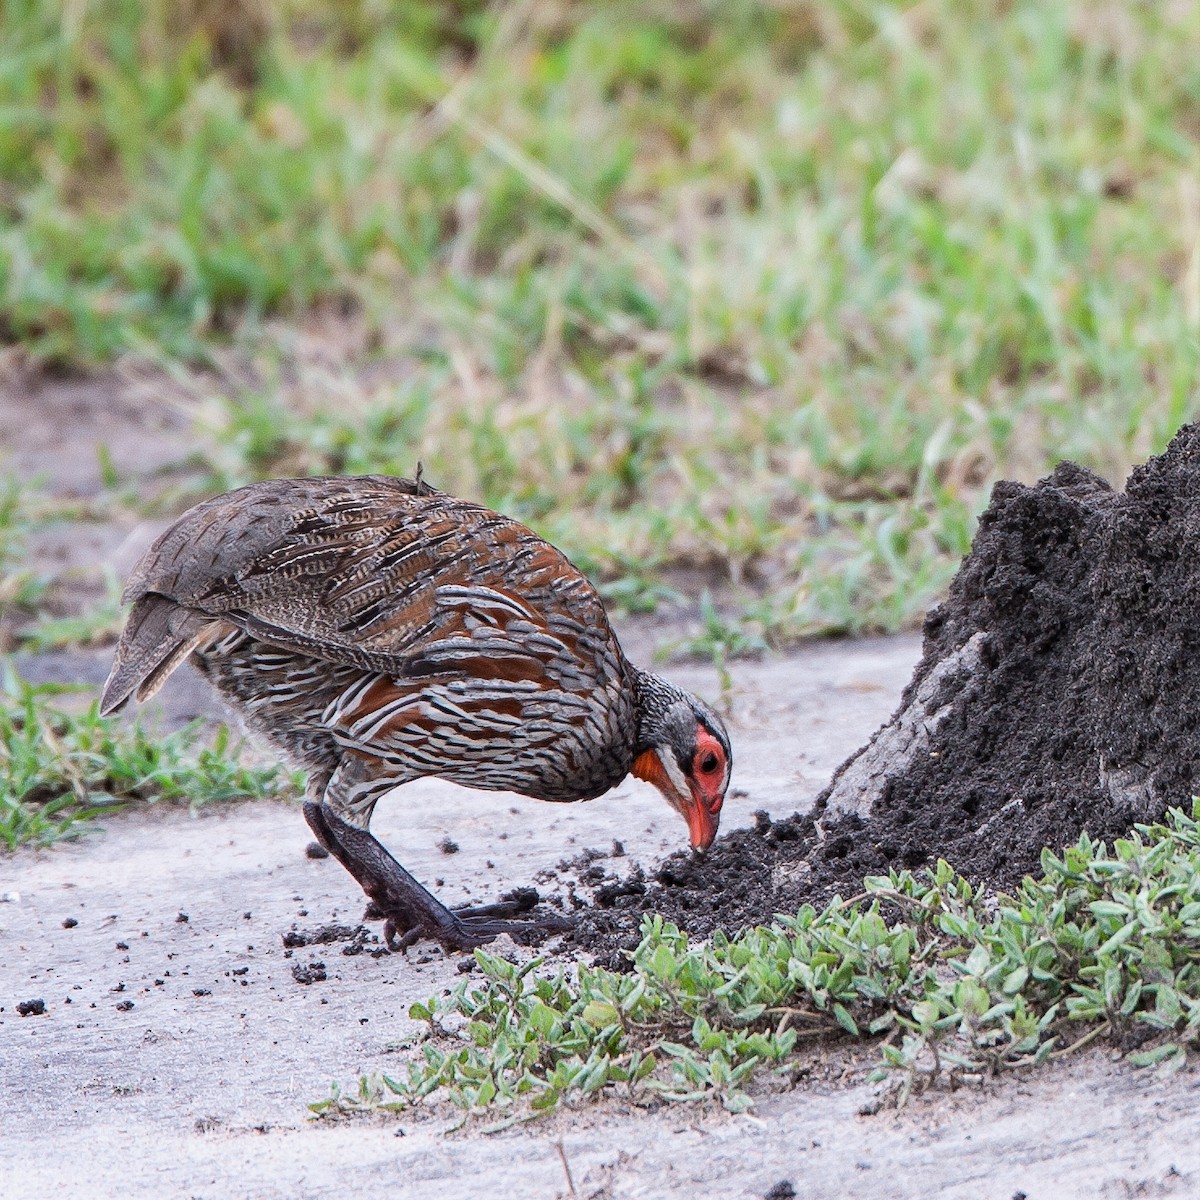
1058,692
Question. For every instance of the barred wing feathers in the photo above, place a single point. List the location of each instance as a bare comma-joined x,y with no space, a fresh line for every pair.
467,626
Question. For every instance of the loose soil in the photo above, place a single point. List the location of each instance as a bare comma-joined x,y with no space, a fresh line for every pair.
1058,691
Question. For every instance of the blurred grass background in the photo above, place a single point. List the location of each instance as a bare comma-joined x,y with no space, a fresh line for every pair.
759,297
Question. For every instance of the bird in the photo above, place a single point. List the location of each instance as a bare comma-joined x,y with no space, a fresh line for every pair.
376,630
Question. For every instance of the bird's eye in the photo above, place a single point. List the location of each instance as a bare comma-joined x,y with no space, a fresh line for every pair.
709,763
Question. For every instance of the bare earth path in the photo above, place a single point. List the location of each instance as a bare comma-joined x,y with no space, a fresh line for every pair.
200,1088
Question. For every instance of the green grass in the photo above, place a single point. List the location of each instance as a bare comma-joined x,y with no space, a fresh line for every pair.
770,294
61,765
20,587
948,984
97,625
31,589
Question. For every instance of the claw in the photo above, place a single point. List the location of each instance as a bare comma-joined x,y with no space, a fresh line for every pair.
400,945
471,929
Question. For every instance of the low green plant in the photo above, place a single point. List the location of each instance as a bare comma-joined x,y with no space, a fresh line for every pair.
718,640
948,982
96,625
61,765
20,587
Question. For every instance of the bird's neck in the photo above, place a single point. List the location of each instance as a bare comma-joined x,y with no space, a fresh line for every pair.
653,696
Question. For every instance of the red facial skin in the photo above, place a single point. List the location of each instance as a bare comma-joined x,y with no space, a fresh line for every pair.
706,782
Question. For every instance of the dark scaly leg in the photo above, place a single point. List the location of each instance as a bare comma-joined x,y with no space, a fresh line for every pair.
409,910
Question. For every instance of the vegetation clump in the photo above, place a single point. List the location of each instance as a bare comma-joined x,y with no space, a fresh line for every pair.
61,766
948,983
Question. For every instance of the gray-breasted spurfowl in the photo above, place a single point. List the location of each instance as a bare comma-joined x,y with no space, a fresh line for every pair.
376,631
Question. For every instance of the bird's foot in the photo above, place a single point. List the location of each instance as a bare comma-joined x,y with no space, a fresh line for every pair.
465,929
515,915
511,904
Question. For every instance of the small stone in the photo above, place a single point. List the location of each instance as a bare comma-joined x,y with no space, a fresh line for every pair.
182,919
31,1008
125,1006
316,850
69,922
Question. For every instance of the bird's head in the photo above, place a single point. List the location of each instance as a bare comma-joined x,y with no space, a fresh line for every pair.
683,749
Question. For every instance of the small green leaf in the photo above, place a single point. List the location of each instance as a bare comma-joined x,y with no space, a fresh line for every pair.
599,1014
844,1019
1148,1058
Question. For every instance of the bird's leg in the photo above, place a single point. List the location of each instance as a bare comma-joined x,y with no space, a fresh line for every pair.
410,911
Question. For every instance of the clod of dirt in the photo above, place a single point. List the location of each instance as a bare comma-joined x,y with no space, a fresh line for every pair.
316,850
31,1008
783,1190
69,922
1058,691
313,973
357,938
124,1006
448,845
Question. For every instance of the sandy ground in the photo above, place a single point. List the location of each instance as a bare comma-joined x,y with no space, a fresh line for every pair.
200,1089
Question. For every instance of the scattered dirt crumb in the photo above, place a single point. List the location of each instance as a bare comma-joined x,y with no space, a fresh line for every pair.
358,938
313,973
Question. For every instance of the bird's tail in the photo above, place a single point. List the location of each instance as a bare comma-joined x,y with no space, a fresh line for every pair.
158,636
